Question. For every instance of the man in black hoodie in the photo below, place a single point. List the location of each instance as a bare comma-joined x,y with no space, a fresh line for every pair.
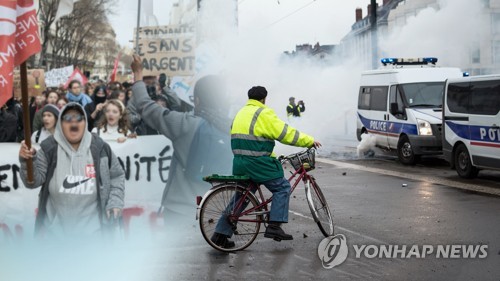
83,184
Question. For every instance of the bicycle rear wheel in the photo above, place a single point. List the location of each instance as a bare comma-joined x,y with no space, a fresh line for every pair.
223,202
319,207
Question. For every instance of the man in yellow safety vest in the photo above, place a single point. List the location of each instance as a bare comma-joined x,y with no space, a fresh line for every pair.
254,130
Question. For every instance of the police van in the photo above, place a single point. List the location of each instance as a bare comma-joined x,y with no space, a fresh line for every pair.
471,121
400,105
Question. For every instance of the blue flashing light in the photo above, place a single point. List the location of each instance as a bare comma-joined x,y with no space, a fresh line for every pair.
409,61
466,74
430,60
386,61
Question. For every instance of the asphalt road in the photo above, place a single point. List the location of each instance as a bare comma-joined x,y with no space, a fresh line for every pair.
370,208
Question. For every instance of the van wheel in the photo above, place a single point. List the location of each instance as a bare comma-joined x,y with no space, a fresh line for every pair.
463,163
405,152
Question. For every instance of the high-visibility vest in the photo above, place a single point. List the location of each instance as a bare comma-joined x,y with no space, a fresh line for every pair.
290,114
254,130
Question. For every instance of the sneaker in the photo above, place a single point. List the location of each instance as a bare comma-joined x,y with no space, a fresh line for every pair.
275,232
222,240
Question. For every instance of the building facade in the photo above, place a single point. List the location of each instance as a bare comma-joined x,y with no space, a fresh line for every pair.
484,49
358,42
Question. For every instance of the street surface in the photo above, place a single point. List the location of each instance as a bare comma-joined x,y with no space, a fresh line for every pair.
369,209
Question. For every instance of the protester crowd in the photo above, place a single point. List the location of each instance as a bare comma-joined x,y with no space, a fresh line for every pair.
97,98
82,182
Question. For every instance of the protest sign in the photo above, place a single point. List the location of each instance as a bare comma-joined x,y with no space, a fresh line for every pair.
167,49
183,87
164,31
76,75
58,76
36,82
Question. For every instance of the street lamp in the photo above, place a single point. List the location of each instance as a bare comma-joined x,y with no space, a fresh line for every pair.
373,25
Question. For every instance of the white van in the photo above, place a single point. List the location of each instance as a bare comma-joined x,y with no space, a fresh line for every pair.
401,106
471,121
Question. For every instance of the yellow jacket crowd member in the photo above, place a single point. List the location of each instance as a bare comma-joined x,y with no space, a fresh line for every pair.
295,110
254,130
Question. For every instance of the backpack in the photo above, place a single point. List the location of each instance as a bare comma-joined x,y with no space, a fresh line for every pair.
210,153
37,136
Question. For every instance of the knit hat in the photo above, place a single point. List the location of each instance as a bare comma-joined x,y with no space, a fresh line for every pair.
52,109
257,93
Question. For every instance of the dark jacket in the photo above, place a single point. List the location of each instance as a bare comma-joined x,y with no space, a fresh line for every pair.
8,127
15,108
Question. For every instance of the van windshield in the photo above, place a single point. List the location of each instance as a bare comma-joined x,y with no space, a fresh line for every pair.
423,94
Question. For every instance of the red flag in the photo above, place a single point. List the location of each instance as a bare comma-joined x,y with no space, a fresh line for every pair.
19,39
115,69
76,75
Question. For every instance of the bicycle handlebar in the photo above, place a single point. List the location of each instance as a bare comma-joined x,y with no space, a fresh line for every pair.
283,158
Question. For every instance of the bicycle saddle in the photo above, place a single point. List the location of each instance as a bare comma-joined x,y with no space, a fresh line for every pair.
219,178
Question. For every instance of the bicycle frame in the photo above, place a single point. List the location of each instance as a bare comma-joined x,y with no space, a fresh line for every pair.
302,175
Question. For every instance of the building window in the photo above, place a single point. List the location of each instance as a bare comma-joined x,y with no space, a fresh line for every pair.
476,53
496,52
495,23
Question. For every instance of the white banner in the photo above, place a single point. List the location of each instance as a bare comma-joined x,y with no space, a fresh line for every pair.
146,161
58,76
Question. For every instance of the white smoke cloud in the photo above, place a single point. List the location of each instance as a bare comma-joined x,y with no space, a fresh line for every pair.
447,33
366,144
329,92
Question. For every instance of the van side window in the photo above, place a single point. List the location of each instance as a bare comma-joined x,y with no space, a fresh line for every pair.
485,98
378,98
396,98
364,98
458,97
373,98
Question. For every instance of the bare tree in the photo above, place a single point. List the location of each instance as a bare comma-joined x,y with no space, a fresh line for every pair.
46,14
74,39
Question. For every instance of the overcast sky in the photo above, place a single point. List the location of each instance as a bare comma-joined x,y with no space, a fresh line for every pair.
326,21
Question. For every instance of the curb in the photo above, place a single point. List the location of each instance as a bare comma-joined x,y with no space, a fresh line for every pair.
446,182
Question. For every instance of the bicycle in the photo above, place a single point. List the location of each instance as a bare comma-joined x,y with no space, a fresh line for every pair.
244,205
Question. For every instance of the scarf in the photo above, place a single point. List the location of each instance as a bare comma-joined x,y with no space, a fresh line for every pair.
98,100
81,99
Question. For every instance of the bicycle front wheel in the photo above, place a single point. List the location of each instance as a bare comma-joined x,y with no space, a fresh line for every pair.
223,203
319,207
